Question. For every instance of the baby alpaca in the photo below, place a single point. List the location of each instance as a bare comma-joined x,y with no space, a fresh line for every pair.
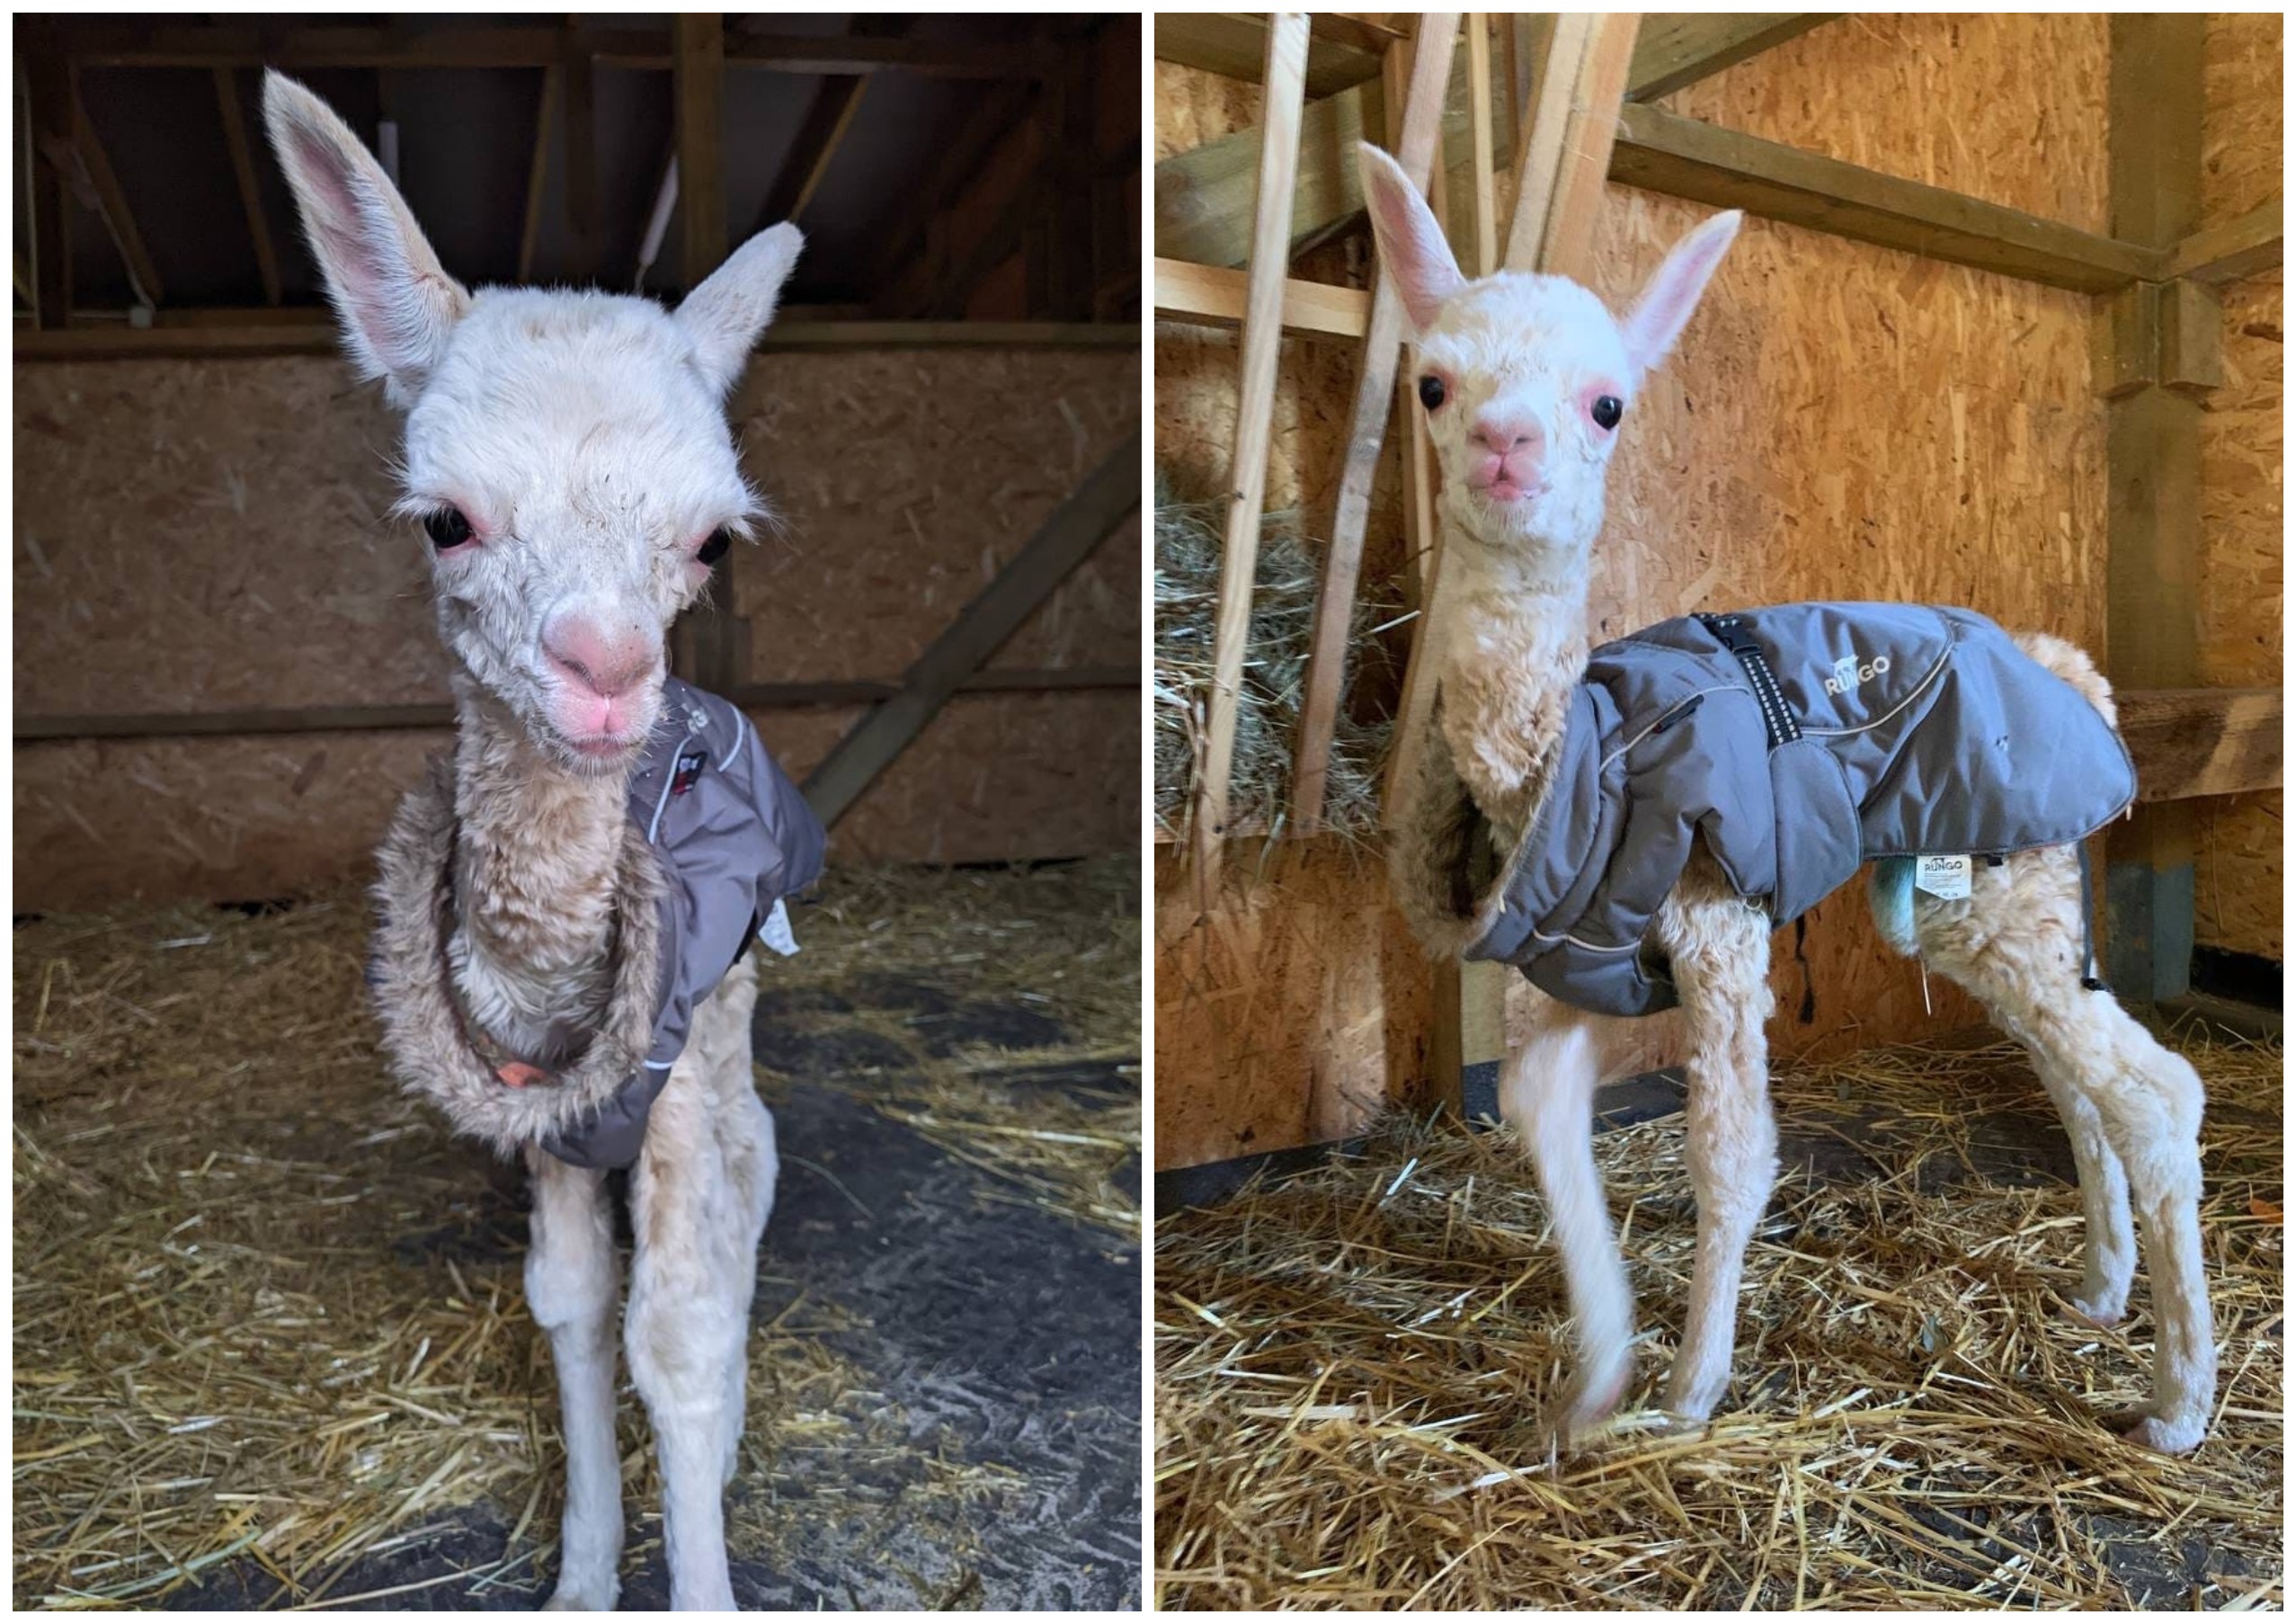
560,909
1526,381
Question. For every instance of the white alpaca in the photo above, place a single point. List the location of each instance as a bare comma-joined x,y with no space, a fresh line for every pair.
567,453
1526,380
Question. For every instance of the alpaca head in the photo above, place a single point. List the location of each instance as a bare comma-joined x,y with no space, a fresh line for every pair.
1526,380
567,459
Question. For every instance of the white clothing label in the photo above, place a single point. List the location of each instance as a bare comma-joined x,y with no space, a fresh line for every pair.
1945,877
775,931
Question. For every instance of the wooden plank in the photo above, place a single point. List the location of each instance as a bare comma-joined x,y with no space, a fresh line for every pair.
1486,188
709,643
2189,742
1682,158
538,173
2153,501
243,171
1235,44
1681,48
1285,77
112,205
1076,527
1335,602
1215,295
316,335
2218,254
917,241
372,718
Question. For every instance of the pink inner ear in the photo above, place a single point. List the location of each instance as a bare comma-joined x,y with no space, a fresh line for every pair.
1411,247
1672,297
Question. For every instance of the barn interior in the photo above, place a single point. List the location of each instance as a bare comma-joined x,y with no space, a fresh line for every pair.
2003,328
274,1321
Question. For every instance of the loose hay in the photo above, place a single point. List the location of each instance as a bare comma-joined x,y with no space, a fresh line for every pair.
1189,547
1351,1366
266,1313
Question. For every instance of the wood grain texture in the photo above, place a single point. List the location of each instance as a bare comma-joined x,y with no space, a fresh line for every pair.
2189,742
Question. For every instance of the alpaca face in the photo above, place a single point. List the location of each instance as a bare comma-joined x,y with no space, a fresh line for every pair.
567,466
1526,380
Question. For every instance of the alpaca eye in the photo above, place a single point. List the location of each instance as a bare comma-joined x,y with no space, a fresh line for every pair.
713,550
1430,391
447,527
1607,411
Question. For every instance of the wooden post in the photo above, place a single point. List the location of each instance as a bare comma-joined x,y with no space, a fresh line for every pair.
580,69
243,171
538,175
1335,602
2152,459
48,74
1284,81
1479,123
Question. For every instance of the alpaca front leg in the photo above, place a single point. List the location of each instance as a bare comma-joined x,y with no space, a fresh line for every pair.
572,1280
688,1331
1547,1094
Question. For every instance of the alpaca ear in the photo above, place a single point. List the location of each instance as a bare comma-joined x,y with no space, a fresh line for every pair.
1412,248
1667,303
723,316
397,307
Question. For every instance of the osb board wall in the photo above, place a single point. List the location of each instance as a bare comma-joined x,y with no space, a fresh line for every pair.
2239,867
203,536
1839,421
250,818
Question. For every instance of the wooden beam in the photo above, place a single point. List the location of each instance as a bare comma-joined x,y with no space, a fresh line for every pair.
95,168
709,645
316,335
93,44
1235,44
1067,537
584,219
1214,296
537,174
829,114
1682,158
2190,742
1335,600
1485,191
47,80
2218,254
1677,48
371,718
997,117
243,170
1284,78
2152,457
1202,196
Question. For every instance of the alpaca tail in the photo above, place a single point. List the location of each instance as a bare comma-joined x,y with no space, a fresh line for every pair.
1889,890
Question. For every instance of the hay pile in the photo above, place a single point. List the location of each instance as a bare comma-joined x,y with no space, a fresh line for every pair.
268,1317
1352,1367
1189,551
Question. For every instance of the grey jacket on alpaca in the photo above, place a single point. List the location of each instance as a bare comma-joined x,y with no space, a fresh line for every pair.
1798,742
718,836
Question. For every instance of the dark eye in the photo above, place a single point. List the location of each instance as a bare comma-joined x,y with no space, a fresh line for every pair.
713,550
1607,411
1430,391
447,527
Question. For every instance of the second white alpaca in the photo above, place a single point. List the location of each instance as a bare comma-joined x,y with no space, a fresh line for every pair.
1526,381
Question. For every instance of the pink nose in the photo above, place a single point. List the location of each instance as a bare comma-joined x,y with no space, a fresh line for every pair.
608,664
1504,436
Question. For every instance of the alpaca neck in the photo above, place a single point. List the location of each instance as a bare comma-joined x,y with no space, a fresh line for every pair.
536,855
1516,651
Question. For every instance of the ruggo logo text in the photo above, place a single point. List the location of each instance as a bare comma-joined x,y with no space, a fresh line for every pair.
1848,673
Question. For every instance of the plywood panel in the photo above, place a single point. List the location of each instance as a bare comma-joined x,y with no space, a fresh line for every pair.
1840,422
2006,107
2239,859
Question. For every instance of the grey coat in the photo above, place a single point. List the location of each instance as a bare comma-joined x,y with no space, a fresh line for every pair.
1798,742
733,837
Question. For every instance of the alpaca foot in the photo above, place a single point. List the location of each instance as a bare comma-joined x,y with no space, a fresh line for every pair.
2100,1308
1590,1402
576,1598
2164,1435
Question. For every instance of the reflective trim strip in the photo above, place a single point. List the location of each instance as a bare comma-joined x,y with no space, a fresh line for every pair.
1943,660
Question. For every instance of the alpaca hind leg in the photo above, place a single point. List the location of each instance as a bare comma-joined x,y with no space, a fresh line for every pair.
2016,944
1721,954
572,1281
1546,1093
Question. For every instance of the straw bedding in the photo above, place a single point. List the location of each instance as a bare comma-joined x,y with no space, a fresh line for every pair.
1189,547
268,1322
1351,1365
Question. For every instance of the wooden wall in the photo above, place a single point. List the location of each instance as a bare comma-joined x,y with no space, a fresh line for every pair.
2238,872
1839,421
211,535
